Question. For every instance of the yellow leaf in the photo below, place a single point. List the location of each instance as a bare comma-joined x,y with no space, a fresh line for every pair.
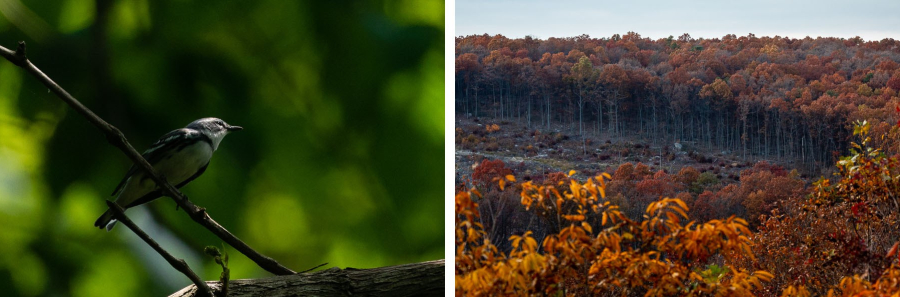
764,275
604,219
672,217
574,217
571,172
502,184
680,210
515,240
510,178
530,243
756,282
650,207
476,192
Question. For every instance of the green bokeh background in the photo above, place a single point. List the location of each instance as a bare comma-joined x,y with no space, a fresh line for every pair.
340,159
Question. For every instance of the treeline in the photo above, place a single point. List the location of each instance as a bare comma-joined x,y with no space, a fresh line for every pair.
762,96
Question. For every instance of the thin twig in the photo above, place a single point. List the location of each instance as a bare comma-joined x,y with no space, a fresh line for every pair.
311,269
117,139
178,264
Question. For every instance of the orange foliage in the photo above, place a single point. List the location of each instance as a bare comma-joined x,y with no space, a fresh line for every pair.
844,228
601,250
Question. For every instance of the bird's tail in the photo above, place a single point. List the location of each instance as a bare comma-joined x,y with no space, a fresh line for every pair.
105,221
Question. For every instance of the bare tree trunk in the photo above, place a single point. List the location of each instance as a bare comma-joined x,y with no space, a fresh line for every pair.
547,97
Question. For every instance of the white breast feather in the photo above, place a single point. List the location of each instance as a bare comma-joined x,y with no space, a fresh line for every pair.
181,166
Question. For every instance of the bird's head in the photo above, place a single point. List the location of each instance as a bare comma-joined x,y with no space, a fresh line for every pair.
214,128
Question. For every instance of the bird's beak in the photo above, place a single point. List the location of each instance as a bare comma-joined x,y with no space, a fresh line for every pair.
235,128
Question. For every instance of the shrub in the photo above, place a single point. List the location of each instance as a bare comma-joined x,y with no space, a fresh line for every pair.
844,228
705,180
599,250
489,172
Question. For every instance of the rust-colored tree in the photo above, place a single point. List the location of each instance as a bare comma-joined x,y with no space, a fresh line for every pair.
845,228
489,172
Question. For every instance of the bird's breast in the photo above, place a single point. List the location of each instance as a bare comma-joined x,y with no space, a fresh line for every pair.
184,161
177,166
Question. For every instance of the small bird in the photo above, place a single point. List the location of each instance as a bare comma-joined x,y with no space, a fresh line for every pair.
181,156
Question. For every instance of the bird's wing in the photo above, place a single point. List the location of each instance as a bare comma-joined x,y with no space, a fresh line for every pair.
189,179
154,153
157,193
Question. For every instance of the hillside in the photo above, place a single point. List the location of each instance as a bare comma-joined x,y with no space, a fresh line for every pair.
757,97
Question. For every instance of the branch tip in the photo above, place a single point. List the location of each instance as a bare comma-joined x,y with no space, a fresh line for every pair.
311,269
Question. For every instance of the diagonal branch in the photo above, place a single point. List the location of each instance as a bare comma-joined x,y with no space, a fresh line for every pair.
178,264
117,139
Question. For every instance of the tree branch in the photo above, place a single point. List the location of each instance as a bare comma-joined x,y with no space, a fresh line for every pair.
178,264
416,279
117,139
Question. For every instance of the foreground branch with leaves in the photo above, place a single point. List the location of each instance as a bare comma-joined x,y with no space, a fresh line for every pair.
841,240
846,227
601,251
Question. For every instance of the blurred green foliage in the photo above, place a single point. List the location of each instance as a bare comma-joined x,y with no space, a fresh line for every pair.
340,159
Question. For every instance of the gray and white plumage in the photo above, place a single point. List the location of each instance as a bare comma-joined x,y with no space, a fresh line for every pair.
181,156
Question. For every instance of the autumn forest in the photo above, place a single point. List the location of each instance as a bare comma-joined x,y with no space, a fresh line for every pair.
624,165
769,96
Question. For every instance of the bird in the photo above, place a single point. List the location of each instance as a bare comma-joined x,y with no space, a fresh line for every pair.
180,156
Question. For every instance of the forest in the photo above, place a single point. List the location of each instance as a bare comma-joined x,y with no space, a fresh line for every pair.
771,97
572,179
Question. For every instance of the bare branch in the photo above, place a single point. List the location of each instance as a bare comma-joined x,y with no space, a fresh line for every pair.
416,279
117,139
178,264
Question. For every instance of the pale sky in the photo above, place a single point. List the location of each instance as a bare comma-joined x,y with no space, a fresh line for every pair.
871,20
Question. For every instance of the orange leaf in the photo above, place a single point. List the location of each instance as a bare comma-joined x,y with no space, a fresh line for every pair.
574,217
893,250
